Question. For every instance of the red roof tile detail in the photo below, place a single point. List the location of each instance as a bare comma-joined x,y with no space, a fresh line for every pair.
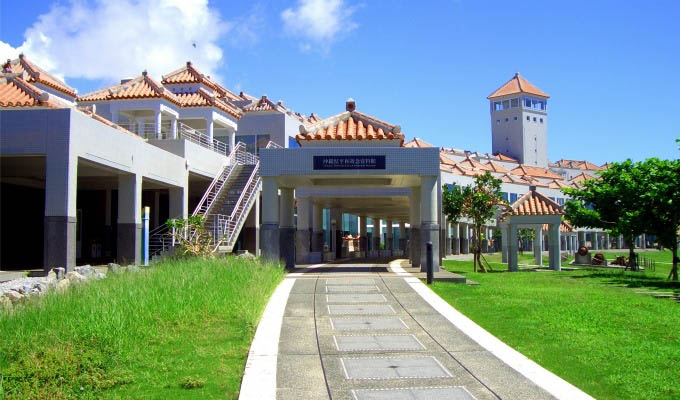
534,203
576,164
142,87
202,98
503,157
417,142
557,184
564,227
517,84
37,74
445,160
581,177
264,104
15,92
496,167
189,74
538,172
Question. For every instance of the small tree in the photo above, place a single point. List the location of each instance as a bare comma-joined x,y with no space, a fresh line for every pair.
660,200
611,202
525,234
477,202
190,235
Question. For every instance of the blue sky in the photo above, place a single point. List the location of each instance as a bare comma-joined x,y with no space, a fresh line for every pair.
611,67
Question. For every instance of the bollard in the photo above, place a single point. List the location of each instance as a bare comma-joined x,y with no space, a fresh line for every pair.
430,260
145,236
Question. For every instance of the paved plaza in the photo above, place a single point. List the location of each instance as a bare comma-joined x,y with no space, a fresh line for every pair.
370,335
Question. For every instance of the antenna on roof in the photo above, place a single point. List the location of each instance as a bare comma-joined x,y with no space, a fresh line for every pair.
350,105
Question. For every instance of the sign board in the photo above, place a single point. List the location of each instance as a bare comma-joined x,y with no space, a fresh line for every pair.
349,162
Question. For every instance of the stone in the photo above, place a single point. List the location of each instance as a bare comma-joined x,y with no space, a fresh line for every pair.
132,268
52,275
99,275
426,393
75,277
60,272
393,368
247,255
14,296
86,271
63,284
113,267
368,323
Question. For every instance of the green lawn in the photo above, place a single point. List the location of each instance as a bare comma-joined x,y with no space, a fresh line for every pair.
587,326
179,330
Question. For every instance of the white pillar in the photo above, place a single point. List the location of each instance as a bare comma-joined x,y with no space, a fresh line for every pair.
269,237
429,223
538,245
377,233
455,240
174,127
607,241
59,231
232,141
414,222
209,130
129,218
159,120
389,241
303,233
287,227
317,228
505,241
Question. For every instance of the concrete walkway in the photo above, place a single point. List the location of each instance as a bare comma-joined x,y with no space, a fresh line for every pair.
362,332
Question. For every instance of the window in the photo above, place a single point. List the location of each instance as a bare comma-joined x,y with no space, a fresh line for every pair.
497,106
528,119
514,103
560,201
534,119
292,143
506,104
506,120
504,195
527,102
498,121
249,141
552,198
513,197
515,118
541,120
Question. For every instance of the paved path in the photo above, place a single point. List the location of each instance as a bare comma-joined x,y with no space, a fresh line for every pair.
362,332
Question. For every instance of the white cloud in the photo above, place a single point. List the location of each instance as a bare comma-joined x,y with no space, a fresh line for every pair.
117,39
318,21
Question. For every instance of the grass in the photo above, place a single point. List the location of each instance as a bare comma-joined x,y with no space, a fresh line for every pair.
587,326
179,330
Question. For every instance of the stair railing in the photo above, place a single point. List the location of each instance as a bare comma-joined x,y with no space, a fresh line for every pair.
217,184
238,213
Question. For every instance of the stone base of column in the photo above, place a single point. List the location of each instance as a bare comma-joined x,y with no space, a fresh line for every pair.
455,245
415,247
269,242
302,246
287,246
464,246
388,244
317,241
429,233
129,244
448,246
59,243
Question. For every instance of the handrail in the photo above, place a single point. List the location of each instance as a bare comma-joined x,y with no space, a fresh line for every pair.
230,164
246,190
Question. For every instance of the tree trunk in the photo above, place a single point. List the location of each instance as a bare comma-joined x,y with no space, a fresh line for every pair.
673,275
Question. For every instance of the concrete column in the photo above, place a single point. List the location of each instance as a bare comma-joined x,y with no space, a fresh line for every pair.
607,241
512,248
581,239
594,240
317,224
140,126
505,240
269,238
455,241
429,226
389,241
464,238
157,126
173,127
554,249
414,216
336,232
303,233
129,218
402,235
445,243
114,116
232,141
59,235
538,246
377,233
287,228
643,241
210,125
363,233
620,241
179,201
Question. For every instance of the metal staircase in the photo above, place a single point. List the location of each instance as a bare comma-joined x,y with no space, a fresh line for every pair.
224,206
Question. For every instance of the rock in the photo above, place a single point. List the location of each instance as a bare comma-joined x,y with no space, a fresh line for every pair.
246,255
52,275
63,284
60,272
99,275
24,289
133,268
115,268
86,271
75,277
14,297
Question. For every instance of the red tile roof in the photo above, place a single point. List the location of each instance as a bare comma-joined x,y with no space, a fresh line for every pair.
264,104
557,184
443,160
576,164
503,157
350,125
16,92
581,177
469,163
417,142
142,87
517,84
534,203
565,227
189,74
496,167
538,172
37,75
202,98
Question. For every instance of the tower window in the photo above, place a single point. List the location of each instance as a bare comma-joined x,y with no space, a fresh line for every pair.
506,120
515,118
497,106
541,120
528,119
498,121
514,103
506,104
534,119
